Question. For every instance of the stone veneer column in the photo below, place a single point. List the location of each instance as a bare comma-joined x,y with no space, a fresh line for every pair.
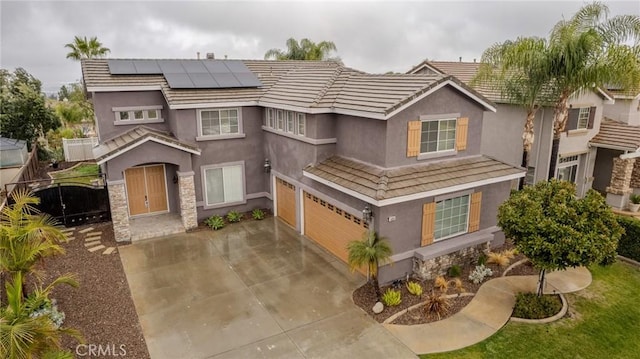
618,190
119,210
187,192
635,175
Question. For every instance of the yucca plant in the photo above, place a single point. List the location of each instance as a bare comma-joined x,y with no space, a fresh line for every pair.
24,335
371,251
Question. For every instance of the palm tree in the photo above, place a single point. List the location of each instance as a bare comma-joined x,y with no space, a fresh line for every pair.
590,50
81,48
371,251
26,236
305,50
24,334
519,71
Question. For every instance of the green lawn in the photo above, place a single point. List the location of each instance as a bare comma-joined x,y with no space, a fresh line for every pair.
605,324
89,170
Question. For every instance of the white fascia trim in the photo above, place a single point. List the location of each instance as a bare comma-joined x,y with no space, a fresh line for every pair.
630,155
136,108
258,195
313,141
373,115
606,95
124,88
213,105
130,147
610,147
415,196
309,110
427,65
436,88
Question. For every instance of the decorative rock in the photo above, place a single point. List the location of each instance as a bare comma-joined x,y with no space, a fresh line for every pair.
378,308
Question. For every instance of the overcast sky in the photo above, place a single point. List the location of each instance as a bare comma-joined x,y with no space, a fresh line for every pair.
370,36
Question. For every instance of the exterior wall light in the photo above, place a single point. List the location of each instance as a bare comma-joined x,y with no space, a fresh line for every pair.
267,166
367,214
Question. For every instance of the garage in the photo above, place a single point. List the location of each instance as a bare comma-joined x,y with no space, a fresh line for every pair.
331,226
286,201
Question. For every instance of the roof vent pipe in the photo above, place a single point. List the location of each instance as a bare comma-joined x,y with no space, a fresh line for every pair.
210,56
460,58
474,60
198,55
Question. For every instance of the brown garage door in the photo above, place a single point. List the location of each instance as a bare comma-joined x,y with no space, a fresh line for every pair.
331,226
286,193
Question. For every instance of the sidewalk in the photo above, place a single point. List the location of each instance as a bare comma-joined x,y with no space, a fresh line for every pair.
489,311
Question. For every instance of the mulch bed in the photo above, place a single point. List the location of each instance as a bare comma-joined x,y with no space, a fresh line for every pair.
365,296
101,308
526,268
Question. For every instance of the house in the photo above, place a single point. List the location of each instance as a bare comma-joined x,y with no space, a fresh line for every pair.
13,156
321,144
502,130
617,170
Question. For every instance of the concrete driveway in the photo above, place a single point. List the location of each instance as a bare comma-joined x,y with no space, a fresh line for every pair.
255,289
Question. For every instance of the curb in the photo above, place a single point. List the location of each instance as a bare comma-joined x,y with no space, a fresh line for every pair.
628,260
513,265
562,313
407,310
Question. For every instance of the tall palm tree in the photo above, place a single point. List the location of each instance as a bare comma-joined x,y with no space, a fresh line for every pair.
24,335
26,236
519,71
591,50
81,48
371,251
304,50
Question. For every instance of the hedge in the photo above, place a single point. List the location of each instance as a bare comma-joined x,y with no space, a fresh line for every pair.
629,245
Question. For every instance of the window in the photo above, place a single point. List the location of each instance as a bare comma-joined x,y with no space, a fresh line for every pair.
219,122
301,124
130,115
438,135
580,118
223,184
451,217
291,121
567,168
270,118
583,118
280,119
529,177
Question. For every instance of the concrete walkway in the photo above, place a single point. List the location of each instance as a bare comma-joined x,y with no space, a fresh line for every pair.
489,311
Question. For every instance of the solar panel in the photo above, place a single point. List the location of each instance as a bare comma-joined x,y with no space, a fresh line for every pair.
121,67
203,80
147,67
190,73
179,81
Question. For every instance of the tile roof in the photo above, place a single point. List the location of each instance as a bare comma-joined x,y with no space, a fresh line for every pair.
124,142
618,135
380,184
324,85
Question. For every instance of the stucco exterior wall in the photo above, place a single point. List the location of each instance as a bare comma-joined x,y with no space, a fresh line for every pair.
444,101
149,152
362,138
577,141
603,167
624,110
104,102
321,126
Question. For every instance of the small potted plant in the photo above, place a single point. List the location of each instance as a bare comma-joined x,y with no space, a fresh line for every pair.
634,202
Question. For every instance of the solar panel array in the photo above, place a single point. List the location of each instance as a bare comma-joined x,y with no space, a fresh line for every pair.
190,74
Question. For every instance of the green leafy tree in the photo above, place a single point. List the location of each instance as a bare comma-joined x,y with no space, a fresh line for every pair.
24,114
518,70
371,251
303,50
556,230
591,50
81,48
26,236
23,333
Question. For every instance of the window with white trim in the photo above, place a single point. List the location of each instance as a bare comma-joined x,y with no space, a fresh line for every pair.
127,115
291,122
529,178
452,216
438,135
270,122
286,121
219,122
223,184
583,118
302,123
280,120
567,168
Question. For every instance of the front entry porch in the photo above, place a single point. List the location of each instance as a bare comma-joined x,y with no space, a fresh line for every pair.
155,226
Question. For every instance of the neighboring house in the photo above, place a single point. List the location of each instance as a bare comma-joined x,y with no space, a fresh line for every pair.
617,168
315,141
502,130
13,156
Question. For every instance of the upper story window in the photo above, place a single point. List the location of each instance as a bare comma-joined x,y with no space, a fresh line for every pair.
136,115
438,135
286,121
219,123
581,118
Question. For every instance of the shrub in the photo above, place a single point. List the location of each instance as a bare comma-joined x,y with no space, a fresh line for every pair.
441,283
392,297
482,259
234,216
454,271
49,308
629,244
437,304
257,214
479,273
414,288
215,222
499,258
635,198
510,253
532,306
457,284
